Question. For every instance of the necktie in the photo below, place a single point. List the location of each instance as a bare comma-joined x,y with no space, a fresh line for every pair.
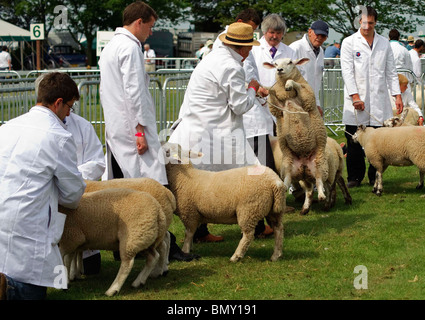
273,51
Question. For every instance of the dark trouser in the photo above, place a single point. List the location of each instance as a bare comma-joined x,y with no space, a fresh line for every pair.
356,166
267,160
17,290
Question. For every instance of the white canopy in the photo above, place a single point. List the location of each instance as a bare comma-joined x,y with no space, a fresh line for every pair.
10,32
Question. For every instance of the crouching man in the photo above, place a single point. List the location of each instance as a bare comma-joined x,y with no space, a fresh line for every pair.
38,171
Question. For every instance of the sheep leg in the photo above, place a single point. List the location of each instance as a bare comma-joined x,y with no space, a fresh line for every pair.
277,225
330,195
308,189
188,237
151,261
67,262
162,266
247,237
378,187
421,180
342,185
123,272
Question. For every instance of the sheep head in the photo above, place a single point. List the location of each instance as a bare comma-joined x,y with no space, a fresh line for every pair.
359,133
174,154
396,121
286,68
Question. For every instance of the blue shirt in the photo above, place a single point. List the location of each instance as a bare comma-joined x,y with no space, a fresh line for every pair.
332,52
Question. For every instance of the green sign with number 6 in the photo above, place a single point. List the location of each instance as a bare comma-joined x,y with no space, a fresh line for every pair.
37,31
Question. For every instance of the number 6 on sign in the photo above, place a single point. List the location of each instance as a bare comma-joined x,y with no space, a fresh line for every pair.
37,31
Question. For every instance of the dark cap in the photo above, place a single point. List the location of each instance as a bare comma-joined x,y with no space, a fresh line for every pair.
320,27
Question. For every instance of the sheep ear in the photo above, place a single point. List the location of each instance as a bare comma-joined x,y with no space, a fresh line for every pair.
195,155
301,61
362,127
268,65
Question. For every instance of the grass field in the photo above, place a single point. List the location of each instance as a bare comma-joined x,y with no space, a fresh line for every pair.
320,253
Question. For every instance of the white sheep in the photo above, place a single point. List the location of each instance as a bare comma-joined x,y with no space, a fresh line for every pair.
165,198
117,219
240,196
399,146
300,128
335,167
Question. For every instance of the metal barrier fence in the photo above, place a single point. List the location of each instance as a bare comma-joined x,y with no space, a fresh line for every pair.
167,86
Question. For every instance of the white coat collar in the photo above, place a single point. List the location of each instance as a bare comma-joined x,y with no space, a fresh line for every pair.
49,112
375,38
125,32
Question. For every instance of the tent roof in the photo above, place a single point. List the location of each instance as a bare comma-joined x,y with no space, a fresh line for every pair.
10,32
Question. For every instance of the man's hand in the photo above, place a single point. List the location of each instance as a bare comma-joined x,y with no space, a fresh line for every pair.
357,103
141,142
263,92
399,104
254,84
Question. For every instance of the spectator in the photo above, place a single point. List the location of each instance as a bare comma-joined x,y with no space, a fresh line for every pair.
415,54
132,143
38,171
407,97
206,49
310,46
147,54
5,59
332,52
198,53
410,42
367,74
402,58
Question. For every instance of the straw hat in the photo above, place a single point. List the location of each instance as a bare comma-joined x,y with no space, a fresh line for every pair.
239,34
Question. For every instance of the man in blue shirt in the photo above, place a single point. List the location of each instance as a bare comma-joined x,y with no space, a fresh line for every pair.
333,51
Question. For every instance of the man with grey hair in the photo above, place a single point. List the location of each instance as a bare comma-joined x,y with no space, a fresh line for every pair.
258,122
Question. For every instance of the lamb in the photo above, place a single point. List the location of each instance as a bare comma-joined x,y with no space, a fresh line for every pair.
116,219
399,146
300,128
158,191
240,196
335,166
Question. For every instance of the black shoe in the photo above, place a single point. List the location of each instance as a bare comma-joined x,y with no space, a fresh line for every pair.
353,184
181,256
371,182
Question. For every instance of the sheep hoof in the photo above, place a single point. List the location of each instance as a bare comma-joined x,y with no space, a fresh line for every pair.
275,257
419,186
111,292
235,259
303,212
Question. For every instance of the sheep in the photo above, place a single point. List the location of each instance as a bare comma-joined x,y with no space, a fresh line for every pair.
116,219
240,196
158,191
335,165
300,128
399,146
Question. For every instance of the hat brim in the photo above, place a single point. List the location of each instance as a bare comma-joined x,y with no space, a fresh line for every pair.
223,39
320,32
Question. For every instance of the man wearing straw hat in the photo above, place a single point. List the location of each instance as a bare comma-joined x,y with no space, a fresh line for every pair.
210,118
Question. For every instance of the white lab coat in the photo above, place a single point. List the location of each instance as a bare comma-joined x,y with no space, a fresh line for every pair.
259,121
126,101
215,99
90,157
401,55
312,71
416,63
408,101
38,171
370,73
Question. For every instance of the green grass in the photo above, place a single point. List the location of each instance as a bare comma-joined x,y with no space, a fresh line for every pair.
320,252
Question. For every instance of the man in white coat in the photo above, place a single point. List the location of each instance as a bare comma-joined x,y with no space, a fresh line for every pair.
368,71
210,118
259,122
402,58
133,149
132,143
38,171
415,54
310,46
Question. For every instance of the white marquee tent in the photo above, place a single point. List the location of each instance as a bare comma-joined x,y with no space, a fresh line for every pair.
12,33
